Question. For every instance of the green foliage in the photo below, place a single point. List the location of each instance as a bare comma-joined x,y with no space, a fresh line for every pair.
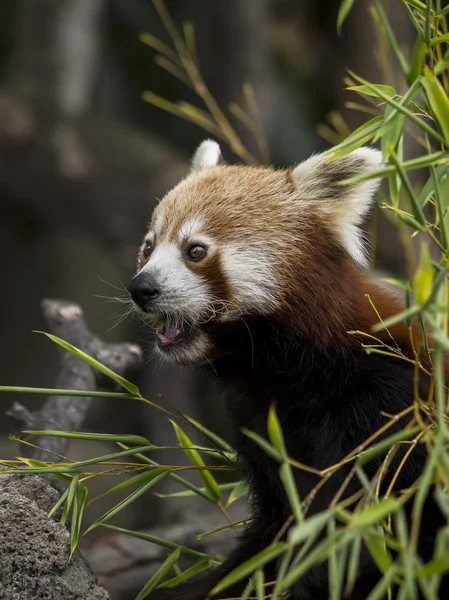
418,204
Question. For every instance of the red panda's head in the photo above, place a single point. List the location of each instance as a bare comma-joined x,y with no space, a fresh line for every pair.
233,242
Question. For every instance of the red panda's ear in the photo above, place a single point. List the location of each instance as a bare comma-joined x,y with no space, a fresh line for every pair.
318,182
208,154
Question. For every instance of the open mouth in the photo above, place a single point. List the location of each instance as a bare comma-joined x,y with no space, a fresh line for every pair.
170,332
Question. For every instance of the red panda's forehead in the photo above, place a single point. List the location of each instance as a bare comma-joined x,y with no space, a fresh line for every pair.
223,202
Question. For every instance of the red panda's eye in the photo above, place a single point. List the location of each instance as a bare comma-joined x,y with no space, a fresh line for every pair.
196,252
147,249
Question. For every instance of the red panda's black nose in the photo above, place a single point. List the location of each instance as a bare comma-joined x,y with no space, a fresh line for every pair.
143,290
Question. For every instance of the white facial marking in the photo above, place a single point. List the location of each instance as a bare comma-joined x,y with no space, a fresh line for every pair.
182,291
158,225
190,228
251,278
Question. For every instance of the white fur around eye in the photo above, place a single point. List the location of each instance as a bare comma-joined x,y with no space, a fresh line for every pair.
181,289
190,228
158,225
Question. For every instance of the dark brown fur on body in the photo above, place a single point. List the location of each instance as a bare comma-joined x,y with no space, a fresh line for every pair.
329,401
285,295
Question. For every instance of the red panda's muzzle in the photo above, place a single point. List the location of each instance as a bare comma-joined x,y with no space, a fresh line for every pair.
171,332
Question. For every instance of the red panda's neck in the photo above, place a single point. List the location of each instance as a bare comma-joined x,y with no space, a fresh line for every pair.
326,306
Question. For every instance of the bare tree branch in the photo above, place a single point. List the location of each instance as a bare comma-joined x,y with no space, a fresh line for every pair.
65,413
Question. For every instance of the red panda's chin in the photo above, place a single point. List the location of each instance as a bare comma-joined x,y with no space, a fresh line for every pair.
186,346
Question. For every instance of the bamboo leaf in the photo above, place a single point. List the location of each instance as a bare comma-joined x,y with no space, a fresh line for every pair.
77,516
275,434
266,446
17,389
375,543
310,527
95,364
157,476
200,566
374,513
373,90
136,440
130,481
241,489
423,280
152,539
343,12
206,477
250,566
159,575
72,490
288,481
212,436
438,101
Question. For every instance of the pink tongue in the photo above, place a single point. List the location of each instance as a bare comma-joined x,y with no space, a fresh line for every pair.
167,333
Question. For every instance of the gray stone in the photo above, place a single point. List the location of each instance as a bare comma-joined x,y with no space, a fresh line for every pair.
34,549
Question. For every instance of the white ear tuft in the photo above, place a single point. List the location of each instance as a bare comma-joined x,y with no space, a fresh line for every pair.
208,154
318,181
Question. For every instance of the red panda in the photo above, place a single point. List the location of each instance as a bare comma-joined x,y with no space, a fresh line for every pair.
257,274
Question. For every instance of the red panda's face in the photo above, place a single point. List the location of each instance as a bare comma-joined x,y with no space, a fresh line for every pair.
222,246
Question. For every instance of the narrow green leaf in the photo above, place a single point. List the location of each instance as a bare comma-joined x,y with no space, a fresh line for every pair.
206,477
423,280
213,437
17,389
62,498
405,314
77,516
380,590
438,101
288,481
372,90
310,527
159,575
78,466
137,440
95,364
390,133
385,444
417,120
275,434
409,220
130,481
357,138
266,446
343,13
375,543
38,464
259,582
72,491
158,476
374,513
415,205
382,23
152,539
418,58
224,487
316,556
200,566
250,566
241,489
353,564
